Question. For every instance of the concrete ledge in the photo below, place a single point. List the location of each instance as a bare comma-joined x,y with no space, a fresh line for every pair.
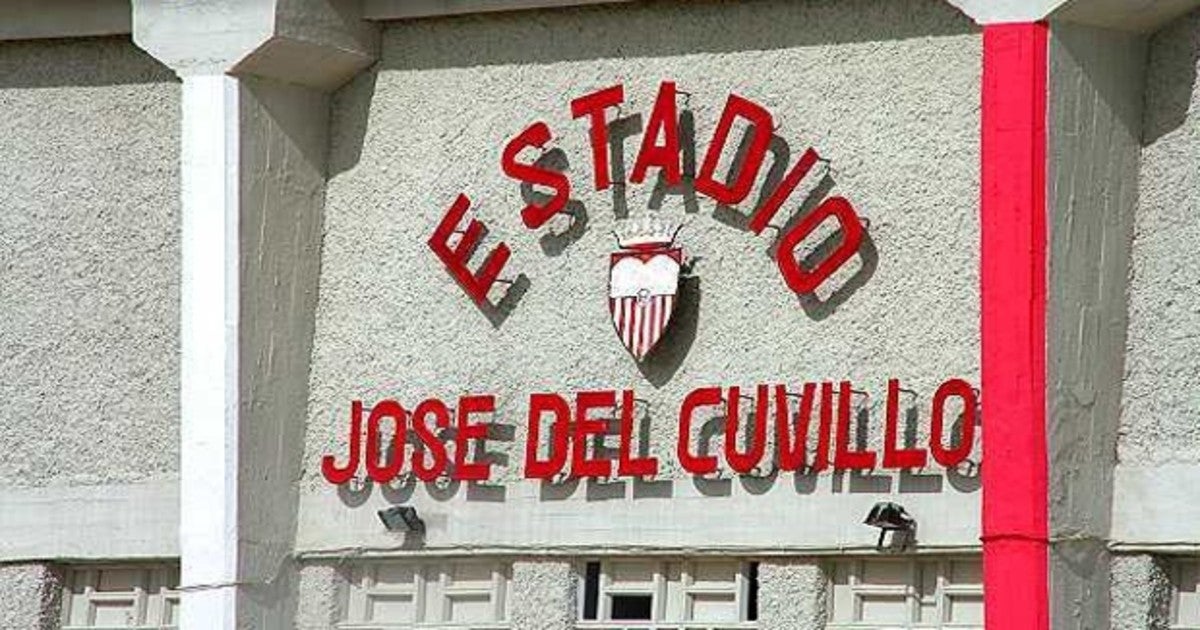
1155,507
90,522
41,19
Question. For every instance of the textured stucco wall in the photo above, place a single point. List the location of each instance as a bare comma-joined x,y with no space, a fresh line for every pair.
1095,105
30,597
321,595
1159,447
89,264
849,78
792,594
1141,593
543,595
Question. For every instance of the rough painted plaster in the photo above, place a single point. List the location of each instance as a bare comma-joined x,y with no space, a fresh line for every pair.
1158,450
1141,593
89,264
321,592
792,594
1161,420
850,78
543,595
1095,131
30,596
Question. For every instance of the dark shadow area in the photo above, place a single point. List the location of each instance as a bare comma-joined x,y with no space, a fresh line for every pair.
555,243
666,358
718,484
660,28
1174,54
355,492
498,312
687,185
349,113
780,153
620,130
79,62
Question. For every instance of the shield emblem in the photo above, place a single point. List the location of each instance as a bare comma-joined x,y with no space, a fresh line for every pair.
642,285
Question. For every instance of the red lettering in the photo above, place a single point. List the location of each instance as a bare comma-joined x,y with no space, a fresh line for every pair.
791,452
593,106
663,121
894,456
585,402
627,465
702,397
821,457
771,206
329,468
533,215
377,470
761,129
456,258
847,458
430,442
953,457
467,432
557,455
802,281
744,462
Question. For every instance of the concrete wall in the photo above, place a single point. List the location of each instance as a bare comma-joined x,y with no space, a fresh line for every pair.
1095,132
89,254
1159,447
849,78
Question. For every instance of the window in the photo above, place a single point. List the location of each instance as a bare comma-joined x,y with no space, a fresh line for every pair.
129,596
447,594
907,593
668,595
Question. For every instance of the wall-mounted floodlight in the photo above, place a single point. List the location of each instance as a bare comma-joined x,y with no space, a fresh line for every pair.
402,518
888,516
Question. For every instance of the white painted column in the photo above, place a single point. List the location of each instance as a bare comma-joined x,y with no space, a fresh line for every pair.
209,352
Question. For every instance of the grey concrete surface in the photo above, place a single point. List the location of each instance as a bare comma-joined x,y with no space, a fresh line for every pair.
89,264
1095,102
849,78
321,595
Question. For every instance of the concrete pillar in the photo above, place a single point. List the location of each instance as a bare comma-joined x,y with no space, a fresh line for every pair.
543,595
30,596
1141,593
255,109
321,592
792,594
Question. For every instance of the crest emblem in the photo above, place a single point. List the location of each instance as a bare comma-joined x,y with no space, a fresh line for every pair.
643,281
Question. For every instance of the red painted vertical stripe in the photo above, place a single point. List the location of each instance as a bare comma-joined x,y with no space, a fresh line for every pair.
1013,295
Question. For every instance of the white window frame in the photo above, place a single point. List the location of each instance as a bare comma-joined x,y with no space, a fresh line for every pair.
659,593
943,594
364,587
154,594
1179,567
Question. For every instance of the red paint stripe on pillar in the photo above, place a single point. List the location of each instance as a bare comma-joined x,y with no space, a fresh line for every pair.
1013,295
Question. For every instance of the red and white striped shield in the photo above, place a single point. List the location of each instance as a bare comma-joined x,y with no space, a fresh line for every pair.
641,295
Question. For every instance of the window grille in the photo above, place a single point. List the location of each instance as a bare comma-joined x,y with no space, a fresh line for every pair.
471,595
1185,598
127,596
668,595
906,593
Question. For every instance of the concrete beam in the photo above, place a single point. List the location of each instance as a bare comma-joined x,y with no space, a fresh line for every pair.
1137,16
405,9
315,43
41,19
1141,16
